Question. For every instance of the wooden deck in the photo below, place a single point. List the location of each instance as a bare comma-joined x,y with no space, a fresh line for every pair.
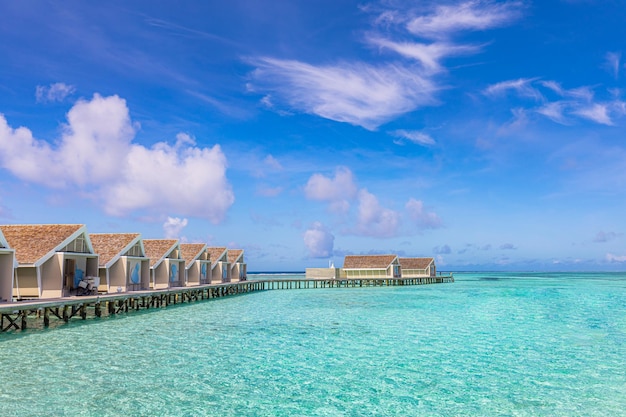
44,313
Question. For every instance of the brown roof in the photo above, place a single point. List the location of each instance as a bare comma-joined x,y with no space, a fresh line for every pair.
33,241
415,263
109,245
215,253
234,254
190,250
367,261
156,249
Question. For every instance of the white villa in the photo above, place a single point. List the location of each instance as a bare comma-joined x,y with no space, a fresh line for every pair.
52,259
166,264
123,262
372,266
197,263
238,267
418,267
220,267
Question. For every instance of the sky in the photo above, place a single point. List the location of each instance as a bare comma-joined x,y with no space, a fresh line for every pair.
486,134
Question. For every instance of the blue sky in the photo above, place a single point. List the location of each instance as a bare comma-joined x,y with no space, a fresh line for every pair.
489,135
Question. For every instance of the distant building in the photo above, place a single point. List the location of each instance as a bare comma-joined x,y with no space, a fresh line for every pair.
238,267
166,264
123,264
52,259
418,267
7,270
197,263
372,266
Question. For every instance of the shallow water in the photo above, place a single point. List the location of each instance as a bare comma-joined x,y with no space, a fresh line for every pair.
490,344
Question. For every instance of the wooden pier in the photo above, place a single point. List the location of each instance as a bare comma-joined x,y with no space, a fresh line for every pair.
43,313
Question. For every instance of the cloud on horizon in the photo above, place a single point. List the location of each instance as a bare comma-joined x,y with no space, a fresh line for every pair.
97,157
319,241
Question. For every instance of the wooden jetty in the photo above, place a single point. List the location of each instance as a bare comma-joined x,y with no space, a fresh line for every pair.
43,313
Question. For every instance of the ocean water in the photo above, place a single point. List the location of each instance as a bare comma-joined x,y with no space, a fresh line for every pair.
490,344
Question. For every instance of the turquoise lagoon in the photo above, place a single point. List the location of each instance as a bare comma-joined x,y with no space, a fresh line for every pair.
490,344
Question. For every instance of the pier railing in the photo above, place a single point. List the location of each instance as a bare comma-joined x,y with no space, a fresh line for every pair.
44,313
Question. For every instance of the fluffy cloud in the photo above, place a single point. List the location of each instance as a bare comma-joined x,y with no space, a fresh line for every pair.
173,226
374,220
53,92
424,219
369,218
97,155
319,241
338,191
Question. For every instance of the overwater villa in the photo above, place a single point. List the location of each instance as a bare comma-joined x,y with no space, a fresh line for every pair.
167,267
418,267
197,263
220,267
238,267
52,259
7,270
372,266
123,264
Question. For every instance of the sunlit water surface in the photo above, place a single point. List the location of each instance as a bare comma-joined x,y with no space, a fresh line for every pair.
489,344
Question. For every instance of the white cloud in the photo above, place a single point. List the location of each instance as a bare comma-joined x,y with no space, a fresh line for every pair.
554,111
359,94
423,218
173,226
319,241
338,191
374,220
522,86
273,163
470,15
596,113
367,95
429,55
54,92
615,258
414,136
96,155
612,63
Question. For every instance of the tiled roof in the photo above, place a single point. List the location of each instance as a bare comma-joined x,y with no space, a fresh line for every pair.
156,249
215,253
367,261
109,245
33,241
189,251
415,263
234,254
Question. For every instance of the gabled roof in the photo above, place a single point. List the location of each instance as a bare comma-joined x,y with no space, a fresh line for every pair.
36,243
216,253
368,261
110,246
191,252
235,255
415,263
158,249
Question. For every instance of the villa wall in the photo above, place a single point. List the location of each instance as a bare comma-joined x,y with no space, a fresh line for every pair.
26,284
6,275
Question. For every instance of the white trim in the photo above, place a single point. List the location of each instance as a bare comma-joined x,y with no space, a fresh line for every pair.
67,241
174,246
126,249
